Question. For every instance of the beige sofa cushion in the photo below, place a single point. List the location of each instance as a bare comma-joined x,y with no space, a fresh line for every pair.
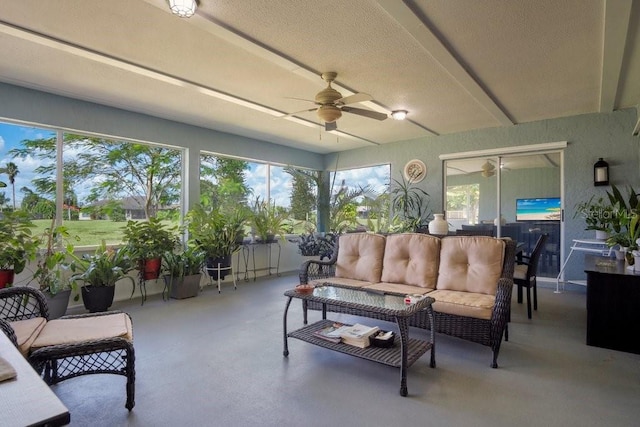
469,304
411,259
27,331
93,328
471,264
360,256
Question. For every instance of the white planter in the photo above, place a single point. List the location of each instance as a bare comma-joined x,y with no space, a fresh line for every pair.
601,235
439,225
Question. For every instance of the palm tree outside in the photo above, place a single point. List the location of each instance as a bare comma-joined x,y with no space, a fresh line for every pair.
11,169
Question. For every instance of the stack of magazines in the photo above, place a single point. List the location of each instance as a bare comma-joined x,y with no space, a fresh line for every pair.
356,335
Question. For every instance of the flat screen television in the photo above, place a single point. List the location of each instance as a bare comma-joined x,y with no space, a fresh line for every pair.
538,209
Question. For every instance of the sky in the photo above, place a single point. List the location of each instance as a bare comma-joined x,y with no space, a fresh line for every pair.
12,135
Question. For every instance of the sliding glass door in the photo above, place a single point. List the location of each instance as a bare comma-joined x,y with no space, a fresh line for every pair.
511,195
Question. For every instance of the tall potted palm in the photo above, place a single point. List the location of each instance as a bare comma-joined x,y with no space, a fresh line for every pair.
147,241
97,275
18,245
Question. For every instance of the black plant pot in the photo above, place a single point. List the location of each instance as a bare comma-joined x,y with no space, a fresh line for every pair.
212,266
97,298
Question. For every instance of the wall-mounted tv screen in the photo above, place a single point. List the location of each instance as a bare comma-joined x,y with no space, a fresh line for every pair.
538,209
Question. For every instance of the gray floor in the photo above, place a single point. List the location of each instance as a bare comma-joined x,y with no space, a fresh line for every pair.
216,360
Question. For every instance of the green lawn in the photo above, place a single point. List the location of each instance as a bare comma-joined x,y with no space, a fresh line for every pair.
90,233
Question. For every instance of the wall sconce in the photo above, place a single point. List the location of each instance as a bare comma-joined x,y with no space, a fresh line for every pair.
601,173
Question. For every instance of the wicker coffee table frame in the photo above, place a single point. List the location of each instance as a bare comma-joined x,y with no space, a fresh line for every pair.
61,362
400,356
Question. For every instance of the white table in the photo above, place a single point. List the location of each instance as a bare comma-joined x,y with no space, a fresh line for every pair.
27,400
582,245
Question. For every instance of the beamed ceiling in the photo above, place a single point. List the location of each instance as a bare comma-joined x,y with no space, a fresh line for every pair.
238,65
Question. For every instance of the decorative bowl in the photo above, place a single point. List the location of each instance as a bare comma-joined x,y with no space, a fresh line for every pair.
376,342
304,289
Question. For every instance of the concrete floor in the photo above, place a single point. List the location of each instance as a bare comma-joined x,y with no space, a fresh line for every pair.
216,360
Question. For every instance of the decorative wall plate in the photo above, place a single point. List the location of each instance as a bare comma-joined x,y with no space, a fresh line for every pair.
415,170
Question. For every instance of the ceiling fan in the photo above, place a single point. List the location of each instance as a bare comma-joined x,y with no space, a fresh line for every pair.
488,170
331,104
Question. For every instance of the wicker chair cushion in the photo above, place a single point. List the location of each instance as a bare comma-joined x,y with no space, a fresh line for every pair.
360,256
468,304
411,259
27,331
353,283
95,328
520,271
471,264
398,288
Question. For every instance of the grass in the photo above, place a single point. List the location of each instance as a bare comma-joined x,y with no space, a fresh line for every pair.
89,233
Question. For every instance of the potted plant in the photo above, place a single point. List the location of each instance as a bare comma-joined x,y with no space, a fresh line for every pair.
52,273
17,245
411,204
182,272
147,241
215,233
98,274
267,221
597,216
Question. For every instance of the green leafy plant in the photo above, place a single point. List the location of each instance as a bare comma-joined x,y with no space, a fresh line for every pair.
185,263
597,214
53,272
267,219
18,245
149,239
214,232
104,268
410,203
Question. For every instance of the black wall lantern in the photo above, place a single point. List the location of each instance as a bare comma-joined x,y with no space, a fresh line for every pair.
601,172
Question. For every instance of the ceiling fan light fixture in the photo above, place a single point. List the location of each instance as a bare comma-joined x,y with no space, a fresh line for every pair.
183,8
329,113
399,114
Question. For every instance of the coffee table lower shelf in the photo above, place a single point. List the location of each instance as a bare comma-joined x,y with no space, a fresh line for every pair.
388,356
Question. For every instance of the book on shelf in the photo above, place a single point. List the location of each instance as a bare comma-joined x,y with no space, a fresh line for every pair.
331,333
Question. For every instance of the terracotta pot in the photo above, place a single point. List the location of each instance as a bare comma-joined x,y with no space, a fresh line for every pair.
150,268
6,277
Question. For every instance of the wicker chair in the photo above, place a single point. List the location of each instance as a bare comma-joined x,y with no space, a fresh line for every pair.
481,331
56,363
525,274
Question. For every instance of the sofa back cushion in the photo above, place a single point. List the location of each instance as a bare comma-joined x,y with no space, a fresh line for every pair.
411,259
471,264
360,256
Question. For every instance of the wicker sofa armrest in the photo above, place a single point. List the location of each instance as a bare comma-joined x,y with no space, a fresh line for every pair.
6,328
22,302
315,269
500,314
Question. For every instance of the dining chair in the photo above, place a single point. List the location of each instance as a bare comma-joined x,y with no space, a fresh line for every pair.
525,271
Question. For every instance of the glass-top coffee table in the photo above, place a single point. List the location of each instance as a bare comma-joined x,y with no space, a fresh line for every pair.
369,304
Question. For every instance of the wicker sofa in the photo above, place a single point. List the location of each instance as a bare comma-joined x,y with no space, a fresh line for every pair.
470,278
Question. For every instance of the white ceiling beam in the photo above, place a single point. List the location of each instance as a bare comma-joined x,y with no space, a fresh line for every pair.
402,14
617,14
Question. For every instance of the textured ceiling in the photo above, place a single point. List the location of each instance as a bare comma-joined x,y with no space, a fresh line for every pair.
235,66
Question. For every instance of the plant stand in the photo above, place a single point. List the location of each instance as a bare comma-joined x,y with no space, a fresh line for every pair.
217,269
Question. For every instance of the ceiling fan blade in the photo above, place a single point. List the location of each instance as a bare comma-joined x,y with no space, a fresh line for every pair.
366,113
300,99
352,99
330,126
297,112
